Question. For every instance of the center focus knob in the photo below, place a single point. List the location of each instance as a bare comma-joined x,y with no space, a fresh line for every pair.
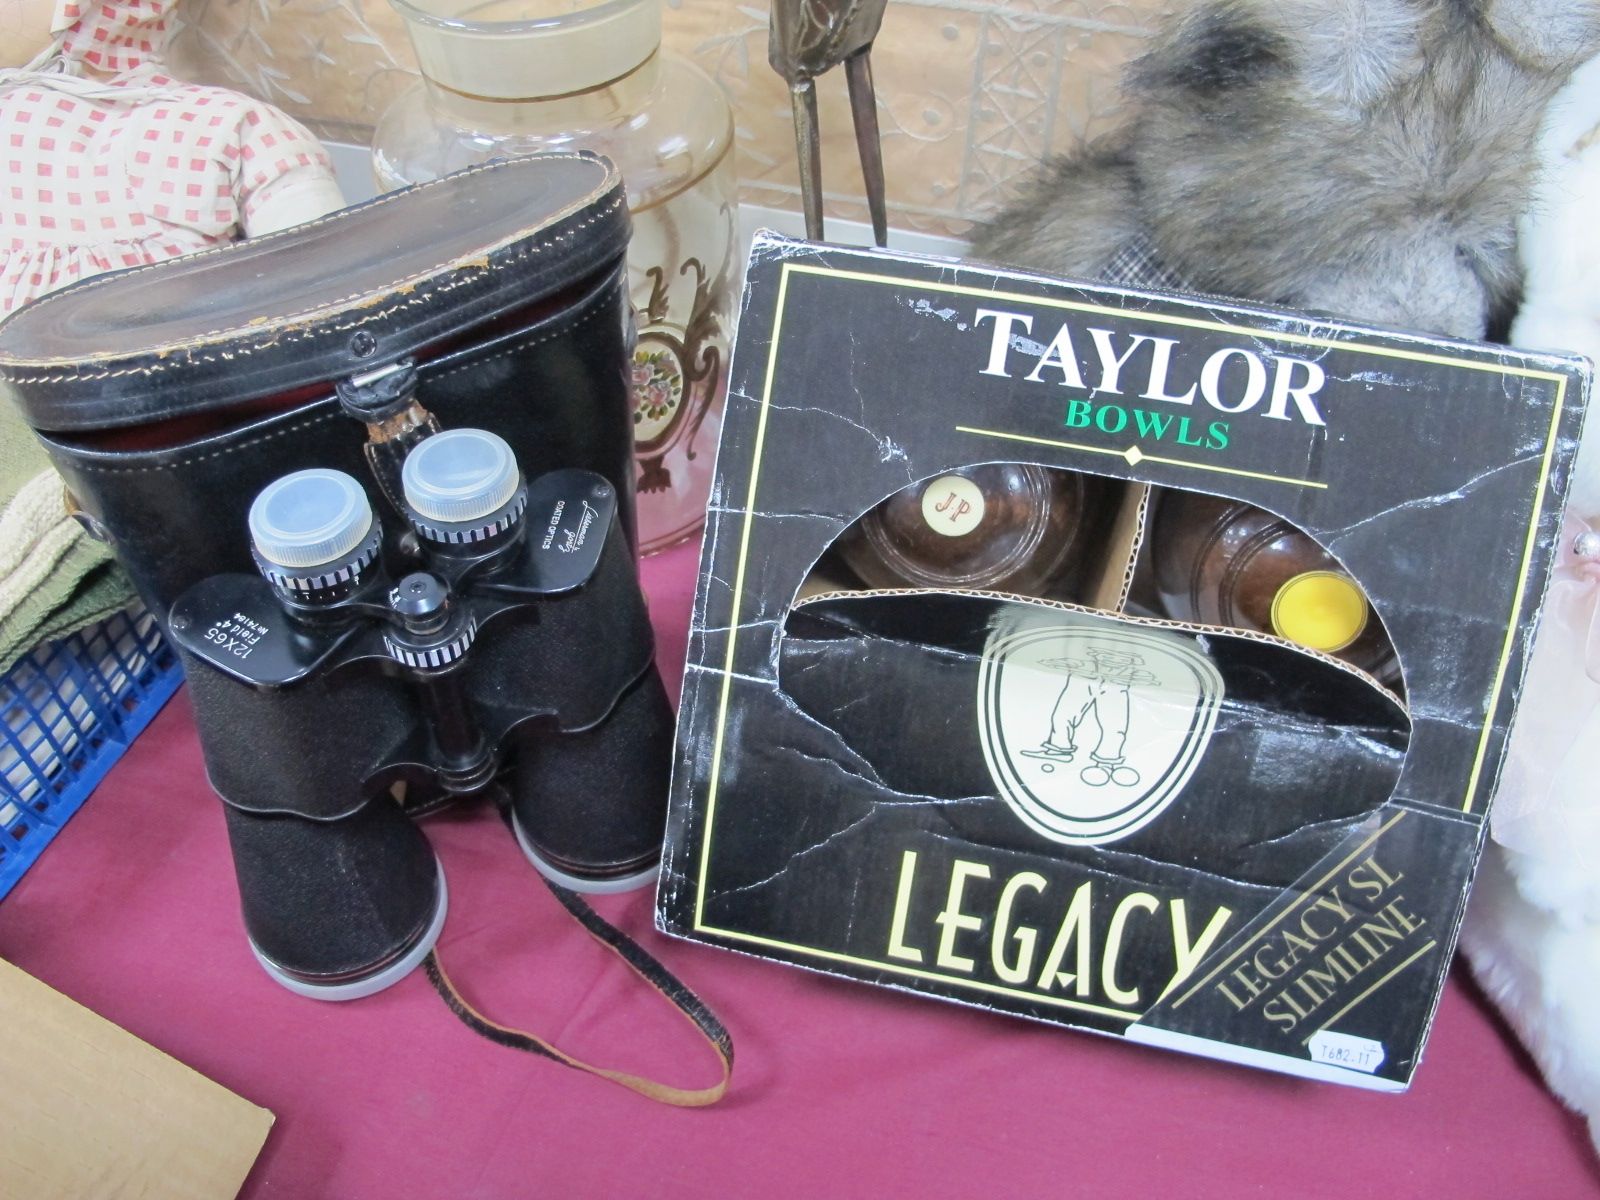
435,631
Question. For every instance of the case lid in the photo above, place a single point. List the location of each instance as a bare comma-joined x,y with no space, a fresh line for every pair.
360,288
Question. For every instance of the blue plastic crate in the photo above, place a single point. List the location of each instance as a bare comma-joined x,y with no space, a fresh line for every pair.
71,708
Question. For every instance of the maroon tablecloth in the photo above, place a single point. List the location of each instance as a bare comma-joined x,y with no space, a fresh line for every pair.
839,1089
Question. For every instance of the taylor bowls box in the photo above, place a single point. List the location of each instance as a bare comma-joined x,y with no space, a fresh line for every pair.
1078,809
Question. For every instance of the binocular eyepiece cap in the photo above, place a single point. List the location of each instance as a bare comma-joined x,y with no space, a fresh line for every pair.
310,518
460,475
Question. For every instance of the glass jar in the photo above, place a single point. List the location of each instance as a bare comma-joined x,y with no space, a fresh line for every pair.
510,77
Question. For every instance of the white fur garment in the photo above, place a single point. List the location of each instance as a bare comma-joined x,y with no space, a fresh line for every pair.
1533,925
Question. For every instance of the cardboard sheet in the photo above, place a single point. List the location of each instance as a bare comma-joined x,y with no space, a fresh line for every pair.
89,1110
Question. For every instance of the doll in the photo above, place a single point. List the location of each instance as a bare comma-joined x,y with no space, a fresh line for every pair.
110,163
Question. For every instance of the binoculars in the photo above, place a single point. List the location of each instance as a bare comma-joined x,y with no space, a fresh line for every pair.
446,606
503,649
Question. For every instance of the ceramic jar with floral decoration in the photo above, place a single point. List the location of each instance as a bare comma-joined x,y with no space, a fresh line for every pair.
507,77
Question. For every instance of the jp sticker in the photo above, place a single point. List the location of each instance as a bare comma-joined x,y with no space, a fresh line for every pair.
1091,730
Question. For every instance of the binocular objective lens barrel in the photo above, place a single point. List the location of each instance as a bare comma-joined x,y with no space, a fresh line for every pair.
462,486
314,534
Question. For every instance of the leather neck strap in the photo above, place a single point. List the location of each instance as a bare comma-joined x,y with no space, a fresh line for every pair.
641,964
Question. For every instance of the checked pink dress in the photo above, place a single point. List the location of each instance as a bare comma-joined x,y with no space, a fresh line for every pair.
106,162
110,163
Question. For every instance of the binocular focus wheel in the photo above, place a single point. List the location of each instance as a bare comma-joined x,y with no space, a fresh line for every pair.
579,883
369,985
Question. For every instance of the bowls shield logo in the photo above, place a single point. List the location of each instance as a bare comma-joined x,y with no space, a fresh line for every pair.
1092,728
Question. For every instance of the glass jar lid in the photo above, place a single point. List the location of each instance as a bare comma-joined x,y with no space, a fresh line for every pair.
525,49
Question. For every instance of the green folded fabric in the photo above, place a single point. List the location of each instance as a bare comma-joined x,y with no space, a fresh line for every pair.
54,578
100,590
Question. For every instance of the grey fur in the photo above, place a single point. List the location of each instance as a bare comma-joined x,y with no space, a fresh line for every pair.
1361,157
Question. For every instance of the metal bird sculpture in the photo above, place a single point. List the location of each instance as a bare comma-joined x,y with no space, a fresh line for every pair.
805,39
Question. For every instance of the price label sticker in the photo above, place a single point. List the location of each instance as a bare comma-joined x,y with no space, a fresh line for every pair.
1347,1050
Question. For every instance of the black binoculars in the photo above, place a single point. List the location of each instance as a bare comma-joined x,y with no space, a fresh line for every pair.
485,639
504,650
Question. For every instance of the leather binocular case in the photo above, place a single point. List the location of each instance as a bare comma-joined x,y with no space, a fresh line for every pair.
440,601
